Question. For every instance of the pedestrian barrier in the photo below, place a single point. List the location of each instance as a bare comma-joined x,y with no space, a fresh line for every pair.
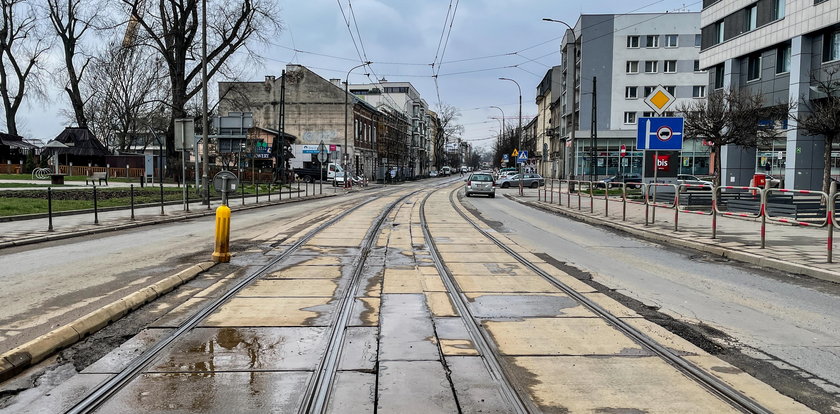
699,190
654,204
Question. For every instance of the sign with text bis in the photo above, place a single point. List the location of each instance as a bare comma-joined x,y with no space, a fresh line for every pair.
665,162
659,134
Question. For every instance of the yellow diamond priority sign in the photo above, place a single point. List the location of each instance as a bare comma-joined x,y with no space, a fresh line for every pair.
659,100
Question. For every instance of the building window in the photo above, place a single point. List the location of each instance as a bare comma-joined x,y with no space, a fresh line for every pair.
648,90
648,114
719,76
750,17
778,9
697,66
783,59
652,41
831,46
651,66
698,40
819,1
631,92
633,41
629,118
671,89
671,40
670,66
632,66
719,32
753,67
698,91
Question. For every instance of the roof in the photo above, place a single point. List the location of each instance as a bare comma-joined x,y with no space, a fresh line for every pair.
14,141
84,143
274,132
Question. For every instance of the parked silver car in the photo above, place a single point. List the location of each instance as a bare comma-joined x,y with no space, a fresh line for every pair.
530,180
480,183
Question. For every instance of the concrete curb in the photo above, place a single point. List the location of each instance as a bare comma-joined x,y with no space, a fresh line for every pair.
18,359
161,220
729,253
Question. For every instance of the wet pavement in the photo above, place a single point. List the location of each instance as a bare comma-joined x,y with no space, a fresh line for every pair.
405,347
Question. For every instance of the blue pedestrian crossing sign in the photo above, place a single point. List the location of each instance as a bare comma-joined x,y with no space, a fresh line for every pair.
659,134
523,156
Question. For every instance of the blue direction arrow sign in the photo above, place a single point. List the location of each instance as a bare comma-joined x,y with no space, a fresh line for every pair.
523,157
659,134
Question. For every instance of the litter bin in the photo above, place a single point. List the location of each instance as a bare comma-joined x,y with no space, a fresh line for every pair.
759,180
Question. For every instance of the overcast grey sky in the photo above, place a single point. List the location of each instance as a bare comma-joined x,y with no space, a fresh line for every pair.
401,37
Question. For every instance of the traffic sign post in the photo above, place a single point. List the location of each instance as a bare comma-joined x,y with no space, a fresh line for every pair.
323,155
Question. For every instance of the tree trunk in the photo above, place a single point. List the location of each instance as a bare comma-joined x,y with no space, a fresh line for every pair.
718,179
826,184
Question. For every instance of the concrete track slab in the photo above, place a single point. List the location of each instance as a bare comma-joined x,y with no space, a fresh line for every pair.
612,385
453,337
359,350
272,312
290,288
306,272
504,284
612,306
433,283
502,305
413,387
406,330
180,314
226,392
470,257
119,358
365,312
476,390
402,280
491,268
440,304
331,241
353,392
213,350
65,396
472,248
561,336
664,337
750,386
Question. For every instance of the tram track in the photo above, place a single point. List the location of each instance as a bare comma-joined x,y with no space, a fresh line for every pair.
103,392
713,384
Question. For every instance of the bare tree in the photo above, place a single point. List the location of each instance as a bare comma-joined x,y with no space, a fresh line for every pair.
172,28
732,117
21,51
130,96
71,19
449,128
823,118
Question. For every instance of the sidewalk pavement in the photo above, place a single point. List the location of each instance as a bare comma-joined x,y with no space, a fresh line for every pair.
21,232
789,248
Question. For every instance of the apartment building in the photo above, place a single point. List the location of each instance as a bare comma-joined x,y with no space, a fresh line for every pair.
623,58
777,48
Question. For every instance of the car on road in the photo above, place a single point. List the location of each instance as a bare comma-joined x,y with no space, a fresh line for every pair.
632,181
693,180
480,183
529,180
433,173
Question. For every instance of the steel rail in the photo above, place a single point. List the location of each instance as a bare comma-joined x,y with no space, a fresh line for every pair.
107,389
319,388
480,338
710,382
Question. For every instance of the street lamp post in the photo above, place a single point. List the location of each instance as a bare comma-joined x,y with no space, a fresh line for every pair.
502,135
573,165
346,108
519,144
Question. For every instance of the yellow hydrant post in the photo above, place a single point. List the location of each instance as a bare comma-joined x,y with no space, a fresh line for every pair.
222,253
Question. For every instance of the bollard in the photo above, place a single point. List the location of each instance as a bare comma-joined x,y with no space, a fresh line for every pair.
306,188
591,198
95,208
552,192
624,202
258,193
677,209
714,215
187,198
606,199
49,208
829,209
243,193
269,191
132,201
161,199
298,191
222,252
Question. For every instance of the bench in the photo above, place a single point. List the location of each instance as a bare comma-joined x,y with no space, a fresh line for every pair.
97,176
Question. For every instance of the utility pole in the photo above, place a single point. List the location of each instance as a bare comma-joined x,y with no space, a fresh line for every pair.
281,127
593,141
205,147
